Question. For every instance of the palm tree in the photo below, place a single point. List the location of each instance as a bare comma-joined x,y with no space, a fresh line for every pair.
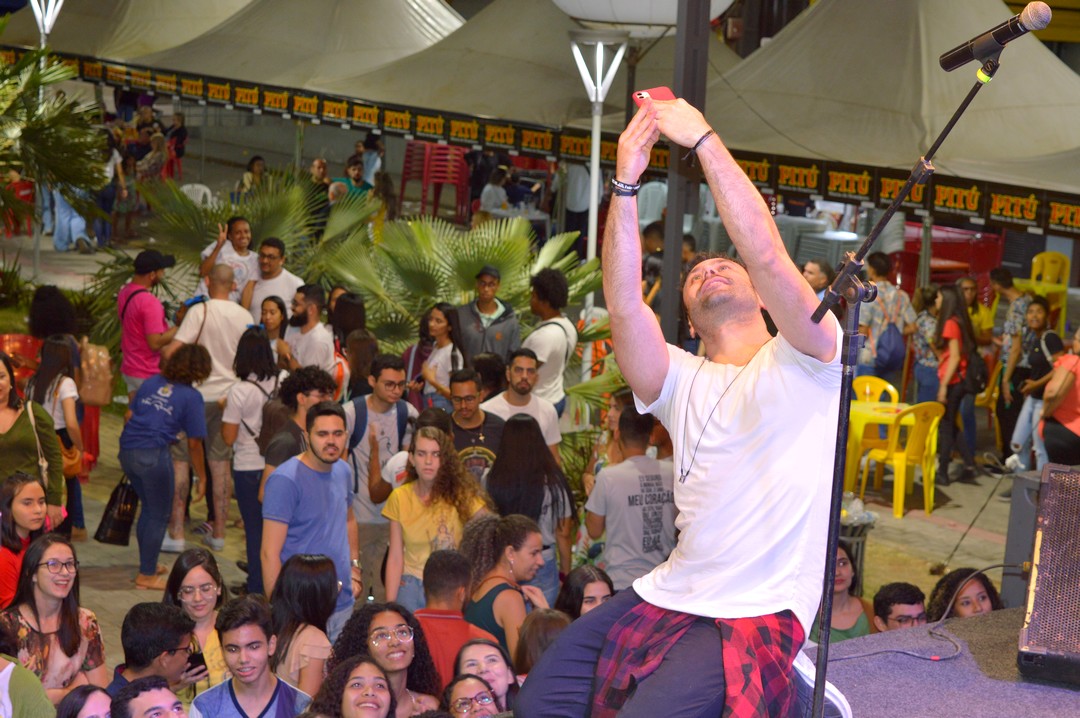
44,135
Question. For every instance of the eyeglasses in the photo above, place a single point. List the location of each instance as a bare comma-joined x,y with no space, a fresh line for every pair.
464,399
206,589
909,620
186,649
54,565
402,633
462,706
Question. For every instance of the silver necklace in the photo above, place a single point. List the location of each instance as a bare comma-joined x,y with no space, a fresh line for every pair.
685,470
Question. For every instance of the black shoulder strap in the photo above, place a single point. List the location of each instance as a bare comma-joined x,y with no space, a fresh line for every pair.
570,346
127,301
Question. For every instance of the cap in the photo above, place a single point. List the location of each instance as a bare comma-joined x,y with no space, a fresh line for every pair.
151,260
489,271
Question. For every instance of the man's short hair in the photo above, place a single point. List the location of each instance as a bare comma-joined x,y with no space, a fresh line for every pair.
303,380
690,241
384,361
275,243
1042,302
551,287
445,572
121,702
1002,277
221,277
325,408
150,629
635,429
654,229
880,263
434,416
354,161
462,376
893,593
251,609
314,294
522,352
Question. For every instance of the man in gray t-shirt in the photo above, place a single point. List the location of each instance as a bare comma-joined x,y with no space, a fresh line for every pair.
634,502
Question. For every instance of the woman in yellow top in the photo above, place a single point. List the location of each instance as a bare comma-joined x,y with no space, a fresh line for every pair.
427,513
195,585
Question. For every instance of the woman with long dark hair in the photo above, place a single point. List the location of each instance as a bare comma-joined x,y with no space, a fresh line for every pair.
390,633
241,422
525,479
22,519
196,587
427,512
53,387
852,616
302,602
361,346
84,702
347,315
26,435
954,339
415,357
445,357
58,641
585,588
962,593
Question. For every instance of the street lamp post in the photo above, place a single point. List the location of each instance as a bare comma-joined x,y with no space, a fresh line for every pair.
45,13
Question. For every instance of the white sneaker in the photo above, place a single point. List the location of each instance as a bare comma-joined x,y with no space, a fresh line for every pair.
1013,463
836,705
216,544
171,545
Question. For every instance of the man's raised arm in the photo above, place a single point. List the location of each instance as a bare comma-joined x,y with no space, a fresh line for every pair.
639,343
783,290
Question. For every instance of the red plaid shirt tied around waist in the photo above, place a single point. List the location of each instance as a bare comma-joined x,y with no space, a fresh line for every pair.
757,652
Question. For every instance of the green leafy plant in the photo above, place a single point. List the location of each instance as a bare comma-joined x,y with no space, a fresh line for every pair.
14,290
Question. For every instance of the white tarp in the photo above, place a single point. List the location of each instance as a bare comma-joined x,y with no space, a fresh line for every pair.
123,29
512,61
310,43
858,81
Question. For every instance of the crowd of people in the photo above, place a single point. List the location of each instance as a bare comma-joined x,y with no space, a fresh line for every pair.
408,526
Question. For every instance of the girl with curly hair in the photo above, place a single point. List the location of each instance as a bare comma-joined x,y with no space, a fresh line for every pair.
358,688
978,595
427,513
504,552
392,636
164,405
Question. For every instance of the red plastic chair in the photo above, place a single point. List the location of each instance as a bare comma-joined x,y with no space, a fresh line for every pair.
174,166
22,345
24,192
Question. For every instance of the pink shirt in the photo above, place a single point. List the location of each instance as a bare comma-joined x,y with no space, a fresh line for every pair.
144,315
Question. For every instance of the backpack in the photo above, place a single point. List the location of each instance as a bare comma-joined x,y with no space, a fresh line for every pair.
891,346
275,416
977,378
360,403
269,395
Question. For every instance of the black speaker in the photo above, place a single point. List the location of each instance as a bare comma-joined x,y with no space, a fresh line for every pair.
1050,638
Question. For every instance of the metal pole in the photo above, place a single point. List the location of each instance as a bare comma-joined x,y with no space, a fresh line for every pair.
39,200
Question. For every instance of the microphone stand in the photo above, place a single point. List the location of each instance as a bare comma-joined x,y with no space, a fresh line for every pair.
848,285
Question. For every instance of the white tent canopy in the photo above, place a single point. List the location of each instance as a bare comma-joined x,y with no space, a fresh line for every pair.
312,43
512,60
859,82
123,29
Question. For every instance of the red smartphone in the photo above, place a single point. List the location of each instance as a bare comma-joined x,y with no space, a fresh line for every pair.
656,93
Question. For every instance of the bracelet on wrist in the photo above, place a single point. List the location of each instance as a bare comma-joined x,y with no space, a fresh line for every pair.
622,189
698,144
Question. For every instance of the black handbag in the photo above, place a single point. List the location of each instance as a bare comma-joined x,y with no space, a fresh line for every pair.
116,522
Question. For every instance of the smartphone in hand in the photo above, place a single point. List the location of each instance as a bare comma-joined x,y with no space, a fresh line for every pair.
656,93
196,660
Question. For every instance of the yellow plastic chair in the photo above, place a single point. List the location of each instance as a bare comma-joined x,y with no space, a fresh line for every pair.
914,450
988,400
1050,268
871,388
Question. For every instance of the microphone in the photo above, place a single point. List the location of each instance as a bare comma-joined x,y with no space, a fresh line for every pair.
1035,16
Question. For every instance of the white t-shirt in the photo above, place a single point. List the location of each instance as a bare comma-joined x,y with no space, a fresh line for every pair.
492,197
244,268
386,426
283,285
636,500
243,407
754,507
62,388
444,359
316,348
541,410
554,342
225,324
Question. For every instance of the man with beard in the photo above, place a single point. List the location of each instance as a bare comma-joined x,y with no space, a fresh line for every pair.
307,508
716,629
477,433
521,377
144,331
273,279
307,340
